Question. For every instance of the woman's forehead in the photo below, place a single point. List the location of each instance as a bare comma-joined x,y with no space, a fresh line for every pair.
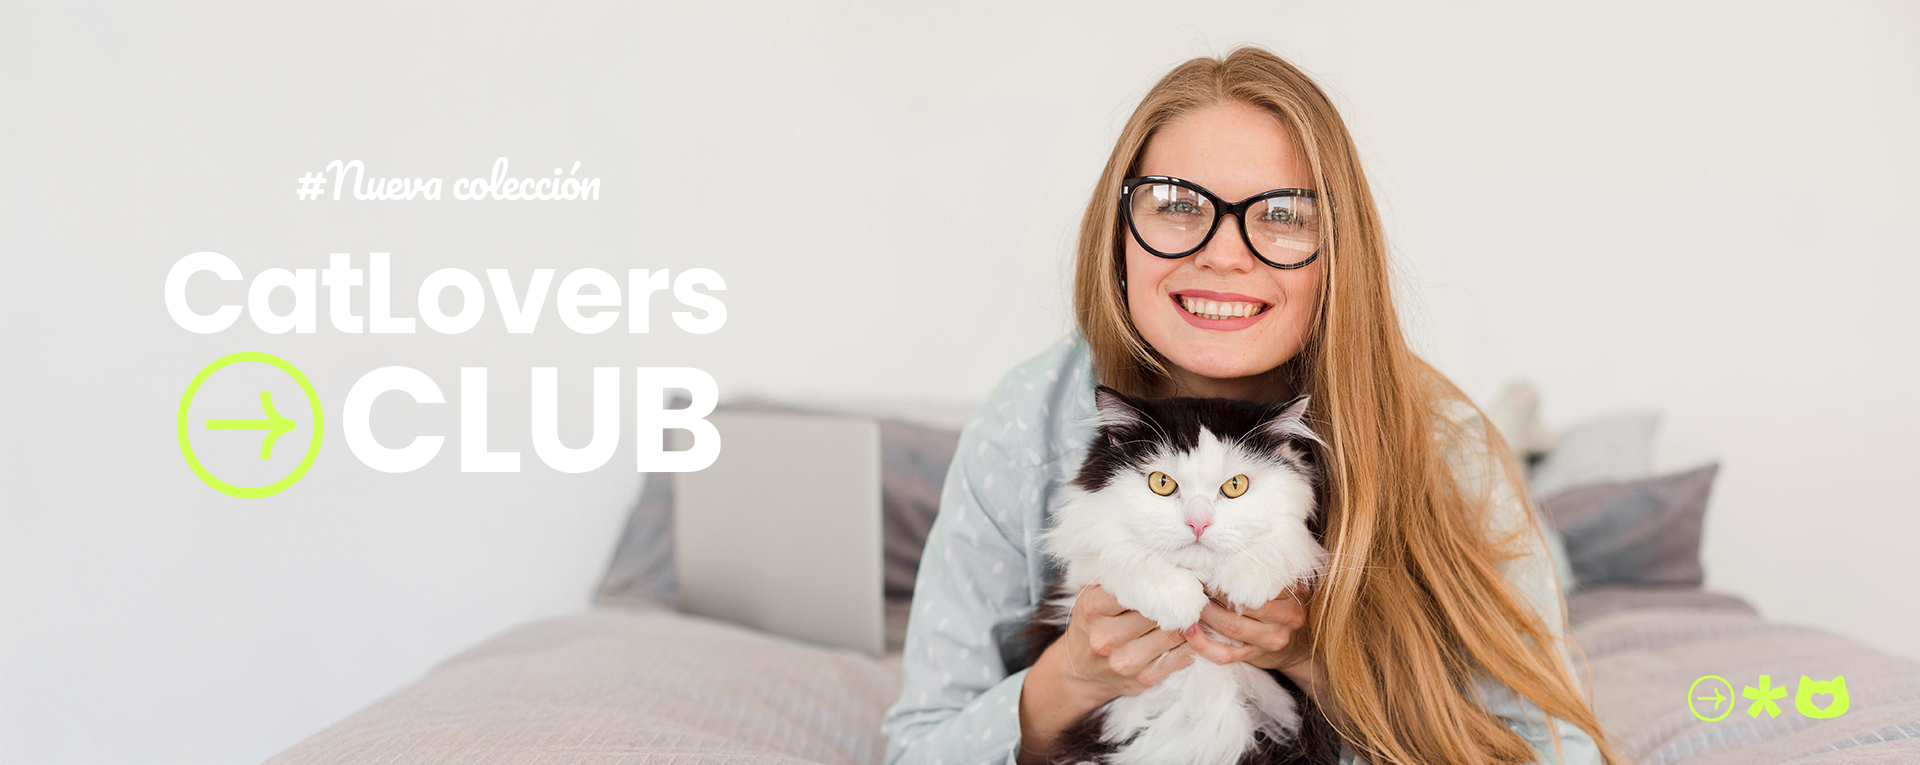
1233,149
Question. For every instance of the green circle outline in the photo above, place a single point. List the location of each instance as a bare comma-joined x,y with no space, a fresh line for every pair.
1696,686
250,492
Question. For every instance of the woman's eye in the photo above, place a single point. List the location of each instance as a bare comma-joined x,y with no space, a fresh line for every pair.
1179,208
1161,483
1235,486
1287,214
1283,218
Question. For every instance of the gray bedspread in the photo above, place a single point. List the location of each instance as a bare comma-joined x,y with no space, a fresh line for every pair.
615,685
621,686
1647,647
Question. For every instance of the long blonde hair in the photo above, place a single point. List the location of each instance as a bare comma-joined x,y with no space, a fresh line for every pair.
1414,604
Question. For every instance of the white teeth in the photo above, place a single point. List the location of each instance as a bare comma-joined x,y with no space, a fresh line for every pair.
1214,309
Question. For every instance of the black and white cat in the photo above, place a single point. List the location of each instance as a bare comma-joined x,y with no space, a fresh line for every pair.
1179,499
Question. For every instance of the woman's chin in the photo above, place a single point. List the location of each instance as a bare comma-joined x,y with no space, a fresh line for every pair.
1218,356
1225,365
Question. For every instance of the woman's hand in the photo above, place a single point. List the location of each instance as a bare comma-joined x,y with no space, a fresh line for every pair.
1111,650
1273,636
1107,651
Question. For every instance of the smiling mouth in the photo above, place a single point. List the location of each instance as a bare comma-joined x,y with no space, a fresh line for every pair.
1219,309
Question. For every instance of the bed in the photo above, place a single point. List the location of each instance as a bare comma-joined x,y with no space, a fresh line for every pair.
623,685
634,680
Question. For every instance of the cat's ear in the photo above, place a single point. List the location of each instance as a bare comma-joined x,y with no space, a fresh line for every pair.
1289,423
1116,411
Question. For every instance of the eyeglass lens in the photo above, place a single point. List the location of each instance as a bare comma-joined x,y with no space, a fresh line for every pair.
1173,219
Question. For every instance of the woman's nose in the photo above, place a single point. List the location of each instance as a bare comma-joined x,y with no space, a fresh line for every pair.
1227,252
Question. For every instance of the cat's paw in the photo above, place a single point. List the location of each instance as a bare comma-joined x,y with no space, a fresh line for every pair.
1173,600
1245,587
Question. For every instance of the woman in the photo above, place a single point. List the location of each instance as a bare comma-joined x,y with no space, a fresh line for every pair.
1232,249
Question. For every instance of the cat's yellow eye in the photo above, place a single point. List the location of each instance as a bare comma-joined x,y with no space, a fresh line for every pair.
1235,486
1161,483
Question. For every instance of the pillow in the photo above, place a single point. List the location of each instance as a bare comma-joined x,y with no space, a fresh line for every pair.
1609,448
1642,532
1616,447
641,572
913,468
1516,414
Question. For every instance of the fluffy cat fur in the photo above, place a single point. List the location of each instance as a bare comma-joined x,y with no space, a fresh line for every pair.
1113,530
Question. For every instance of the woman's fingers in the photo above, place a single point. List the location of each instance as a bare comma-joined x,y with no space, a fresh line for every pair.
1107,634
1096,601
1282,611
1289,610
1246,629
1215,651
1166,664
1136,656
1134,653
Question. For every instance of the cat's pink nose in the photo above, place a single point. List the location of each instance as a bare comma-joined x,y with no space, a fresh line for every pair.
1199,527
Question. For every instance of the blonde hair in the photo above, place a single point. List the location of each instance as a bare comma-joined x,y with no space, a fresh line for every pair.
1414,604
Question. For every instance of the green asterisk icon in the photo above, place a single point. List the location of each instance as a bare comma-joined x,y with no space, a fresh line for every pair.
276,425
1763,697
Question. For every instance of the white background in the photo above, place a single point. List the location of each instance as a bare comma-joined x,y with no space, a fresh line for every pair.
1709,210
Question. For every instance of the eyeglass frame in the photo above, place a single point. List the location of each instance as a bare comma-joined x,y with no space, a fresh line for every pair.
1236,209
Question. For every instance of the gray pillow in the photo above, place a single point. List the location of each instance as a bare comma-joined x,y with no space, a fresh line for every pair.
1641,532
913,468
1614,447
641,572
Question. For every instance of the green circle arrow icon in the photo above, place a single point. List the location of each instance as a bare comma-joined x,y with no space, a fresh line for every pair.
275,424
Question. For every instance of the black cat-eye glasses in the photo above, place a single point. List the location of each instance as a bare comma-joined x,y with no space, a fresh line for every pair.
1174,217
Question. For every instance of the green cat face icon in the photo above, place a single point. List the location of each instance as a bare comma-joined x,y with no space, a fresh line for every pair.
1809,687
273,425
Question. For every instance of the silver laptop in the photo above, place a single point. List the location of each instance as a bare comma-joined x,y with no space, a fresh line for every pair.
782,532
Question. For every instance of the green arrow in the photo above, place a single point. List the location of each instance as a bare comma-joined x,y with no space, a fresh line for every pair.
275,425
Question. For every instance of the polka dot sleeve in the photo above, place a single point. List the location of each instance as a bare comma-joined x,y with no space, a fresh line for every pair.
980,574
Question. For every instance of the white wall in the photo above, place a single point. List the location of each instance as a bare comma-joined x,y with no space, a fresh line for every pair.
1706,210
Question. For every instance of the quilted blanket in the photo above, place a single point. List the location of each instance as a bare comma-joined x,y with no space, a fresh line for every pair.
615,685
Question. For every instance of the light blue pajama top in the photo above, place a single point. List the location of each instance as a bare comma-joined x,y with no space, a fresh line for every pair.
982,574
